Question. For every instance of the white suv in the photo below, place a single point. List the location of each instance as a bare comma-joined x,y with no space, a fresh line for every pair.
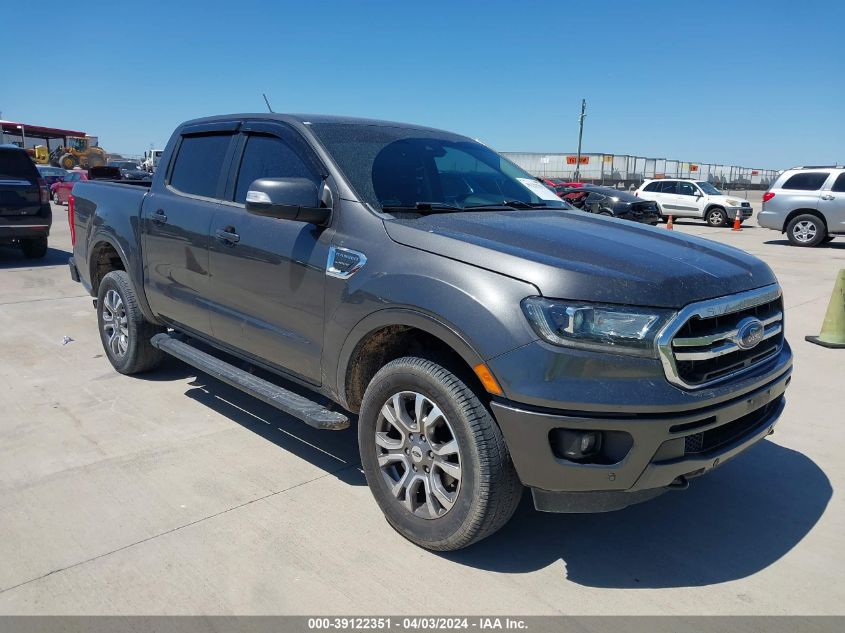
694,199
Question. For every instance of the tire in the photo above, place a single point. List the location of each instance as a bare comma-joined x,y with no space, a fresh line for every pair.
716,216
68,161
606,214
128,349
806,230
486,491
35,248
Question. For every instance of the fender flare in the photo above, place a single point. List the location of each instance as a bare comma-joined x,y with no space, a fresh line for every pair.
400,316
138,283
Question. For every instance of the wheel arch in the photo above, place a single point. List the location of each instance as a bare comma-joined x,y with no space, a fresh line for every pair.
105,256
391,333
795,213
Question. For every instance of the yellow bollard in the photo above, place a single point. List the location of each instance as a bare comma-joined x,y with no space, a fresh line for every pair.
833,327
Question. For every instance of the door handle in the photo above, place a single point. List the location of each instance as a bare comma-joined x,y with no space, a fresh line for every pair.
160,217
227,235
828,197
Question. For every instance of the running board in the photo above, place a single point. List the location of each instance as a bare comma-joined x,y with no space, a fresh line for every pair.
310,412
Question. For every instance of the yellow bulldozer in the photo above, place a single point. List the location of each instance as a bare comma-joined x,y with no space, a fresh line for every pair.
79,152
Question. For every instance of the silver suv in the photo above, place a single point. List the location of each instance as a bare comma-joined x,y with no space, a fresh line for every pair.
807,203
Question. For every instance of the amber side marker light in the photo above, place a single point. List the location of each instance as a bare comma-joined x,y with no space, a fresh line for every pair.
487,379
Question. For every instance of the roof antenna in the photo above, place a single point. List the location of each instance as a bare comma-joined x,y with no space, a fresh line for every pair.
267,101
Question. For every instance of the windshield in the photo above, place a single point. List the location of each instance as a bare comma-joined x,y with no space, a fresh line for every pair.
709,189
398,167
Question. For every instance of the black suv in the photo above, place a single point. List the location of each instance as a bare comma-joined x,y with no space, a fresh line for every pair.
25,214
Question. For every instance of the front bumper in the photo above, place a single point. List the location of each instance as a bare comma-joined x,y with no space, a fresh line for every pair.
667,448
745,212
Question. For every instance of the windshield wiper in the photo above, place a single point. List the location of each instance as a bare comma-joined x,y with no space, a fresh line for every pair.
509,204
428,207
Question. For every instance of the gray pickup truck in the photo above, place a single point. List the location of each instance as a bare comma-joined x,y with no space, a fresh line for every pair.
487,337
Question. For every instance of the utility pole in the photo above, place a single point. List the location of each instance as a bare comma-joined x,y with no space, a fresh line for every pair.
580,135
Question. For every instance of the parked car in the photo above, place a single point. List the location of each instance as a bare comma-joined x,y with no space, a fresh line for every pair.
806,203
50,174
130,170
694,199
610,202
60,191
487,337
25,215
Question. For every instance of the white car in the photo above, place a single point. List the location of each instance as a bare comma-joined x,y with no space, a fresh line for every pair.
694,199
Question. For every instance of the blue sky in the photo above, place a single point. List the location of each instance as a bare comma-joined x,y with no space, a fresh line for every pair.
756,84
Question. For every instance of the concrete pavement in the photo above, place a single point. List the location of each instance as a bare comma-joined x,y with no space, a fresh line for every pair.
173,493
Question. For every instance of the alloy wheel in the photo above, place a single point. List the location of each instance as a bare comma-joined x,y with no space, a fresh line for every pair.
804,231
418,454
115,324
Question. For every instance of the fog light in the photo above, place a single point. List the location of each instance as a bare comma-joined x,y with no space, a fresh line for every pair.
577,445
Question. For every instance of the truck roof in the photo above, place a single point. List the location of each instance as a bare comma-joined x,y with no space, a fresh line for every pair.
305,119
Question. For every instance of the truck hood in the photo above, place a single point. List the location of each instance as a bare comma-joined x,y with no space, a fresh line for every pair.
573,255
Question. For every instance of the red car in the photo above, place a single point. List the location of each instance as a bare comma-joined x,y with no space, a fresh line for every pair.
61,190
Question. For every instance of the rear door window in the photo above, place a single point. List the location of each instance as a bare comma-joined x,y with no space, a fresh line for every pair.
199,161
839,184
669,186
268,156
806,181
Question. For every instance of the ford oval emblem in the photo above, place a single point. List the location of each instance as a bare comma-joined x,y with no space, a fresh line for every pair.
749,333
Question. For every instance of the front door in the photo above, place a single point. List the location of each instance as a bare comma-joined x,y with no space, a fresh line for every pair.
688,199
176,218
268,275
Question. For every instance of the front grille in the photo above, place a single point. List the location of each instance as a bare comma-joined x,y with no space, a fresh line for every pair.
706,346
746,204
719,436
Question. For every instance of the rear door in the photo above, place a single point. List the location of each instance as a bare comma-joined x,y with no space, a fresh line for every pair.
176,216
832,203
268,275
19,190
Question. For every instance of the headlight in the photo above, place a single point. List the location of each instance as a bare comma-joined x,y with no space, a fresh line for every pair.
732,202
607,328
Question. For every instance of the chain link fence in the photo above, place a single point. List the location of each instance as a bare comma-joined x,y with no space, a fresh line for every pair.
628,172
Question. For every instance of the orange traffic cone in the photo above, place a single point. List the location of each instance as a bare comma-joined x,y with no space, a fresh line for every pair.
737,223
669,224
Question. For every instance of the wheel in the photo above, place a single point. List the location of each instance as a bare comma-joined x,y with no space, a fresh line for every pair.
434,458
716,217
124,331
806,230
56,198
35,248
68,161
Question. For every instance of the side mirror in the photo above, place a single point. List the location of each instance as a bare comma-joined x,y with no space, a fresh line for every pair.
297,199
